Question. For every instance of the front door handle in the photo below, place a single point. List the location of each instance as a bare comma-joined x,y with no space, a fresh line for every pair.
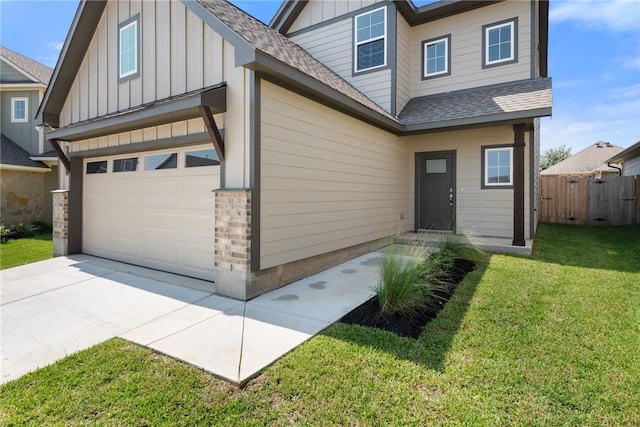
451,197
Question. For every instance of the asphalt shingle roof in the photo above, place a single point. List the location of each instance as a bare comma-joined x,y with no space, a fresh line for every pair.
12,154
36,69
484,101
591,159
274,44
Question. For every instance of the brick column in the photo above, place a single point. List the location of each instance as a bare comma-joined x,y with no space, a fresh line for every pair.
232,254
60,222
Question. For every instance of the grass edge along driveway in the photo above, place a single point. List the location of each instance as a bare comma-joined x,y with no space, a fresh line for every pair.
552,339
18,252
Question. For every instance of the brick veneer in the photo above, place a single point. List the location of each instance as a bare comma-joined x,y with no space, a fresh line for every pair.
60,222
233,230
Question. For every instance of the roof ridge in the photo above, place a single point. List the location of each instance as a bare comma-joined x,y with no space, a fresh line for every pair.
34,68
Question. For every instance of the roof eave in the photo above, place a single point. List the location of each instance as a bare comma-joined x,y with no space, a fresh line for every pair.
629,153
438,10
307,85
83,26
478,120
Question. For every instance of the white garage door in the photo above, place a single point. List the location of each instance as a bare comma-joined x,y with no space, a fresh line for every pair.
154,209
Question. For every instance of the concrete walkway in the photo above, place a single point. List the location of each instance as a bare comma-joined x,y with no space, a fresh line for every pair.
56,307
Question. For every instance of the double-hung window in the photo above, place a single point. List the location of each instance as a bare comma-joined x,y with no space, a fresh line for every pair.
500,43
19,110
370,37
128,48
436,57
497,168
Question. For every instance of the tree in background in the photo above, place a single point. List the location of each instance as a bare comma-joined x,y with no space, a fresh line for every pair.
554,155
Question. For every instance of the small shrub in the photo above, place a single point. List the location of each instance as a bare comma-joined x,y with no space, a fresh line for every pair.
21,230
4,233
43,227
452,244
402,288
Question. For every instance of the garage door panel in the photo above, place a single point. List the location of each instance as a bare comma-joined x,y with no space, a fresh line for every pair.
161,219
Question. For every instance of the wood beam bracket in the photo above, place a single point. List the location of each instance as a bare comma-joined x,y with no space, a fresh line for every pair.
61,154
214,132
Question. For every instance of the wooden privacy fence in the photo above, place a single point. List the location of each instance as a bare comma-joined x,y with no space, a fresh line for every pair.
592,201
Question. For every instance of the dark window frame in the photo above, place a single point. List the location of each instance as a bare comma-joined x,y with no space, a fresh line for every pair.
514,43
356,43
483,162
424,75
134,19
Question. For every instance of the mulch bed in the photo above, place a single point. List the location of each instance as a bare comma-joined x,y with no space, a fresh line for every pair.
369,314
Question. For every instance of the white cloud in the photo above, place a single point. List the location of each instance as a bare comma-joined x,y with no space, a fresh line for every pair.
611,15
632,92
50,53
631,62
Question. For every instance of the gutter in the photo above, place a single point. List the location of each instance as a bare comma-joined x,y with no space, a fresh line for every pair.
615,167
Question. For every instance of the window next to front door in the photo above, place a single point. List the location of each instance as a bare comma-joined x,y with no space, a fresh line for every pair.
497,166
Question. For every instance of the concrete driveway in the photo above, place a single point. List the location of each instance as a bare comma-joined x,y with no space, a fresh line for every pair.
56,307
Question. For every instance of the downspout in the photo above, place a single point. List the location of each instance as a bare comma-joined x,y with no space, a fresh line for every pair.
615,167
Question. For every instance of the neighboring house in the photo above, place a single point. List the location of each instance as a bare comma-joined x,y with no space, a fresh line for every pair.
345,124
590,162
629,160
28,167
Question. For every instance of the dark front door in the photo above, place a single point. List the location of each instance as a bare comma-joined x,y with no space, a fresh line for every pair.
435,190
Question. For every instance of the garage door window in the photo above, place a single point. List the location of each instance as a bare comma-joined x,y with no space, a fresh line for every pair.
97,167
125,165
161,161
194,159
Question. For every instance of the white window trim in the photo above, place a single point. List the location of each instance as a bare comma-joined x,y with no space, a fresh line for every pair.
446,57
486,167
358,43
133,23
14,119
512,52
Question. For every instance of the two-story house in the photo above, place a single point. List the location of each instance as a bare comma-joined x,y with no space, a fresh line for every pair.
28,168
203,142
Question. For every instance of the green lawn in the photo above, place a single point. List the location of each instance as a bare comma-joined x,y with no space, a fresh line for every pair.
24,251
549,340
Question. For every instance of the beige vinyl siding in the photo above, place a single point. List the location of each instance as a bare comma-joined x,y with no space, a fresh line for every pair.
631,167
333,46
479,212
328,181
180,53
318,11
403,70
466,49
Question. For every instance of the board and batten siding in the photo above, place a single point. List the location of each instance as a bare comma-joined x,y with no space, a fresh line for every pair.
328,181
318,11
179,53
479,212
466,49
333,46
23,134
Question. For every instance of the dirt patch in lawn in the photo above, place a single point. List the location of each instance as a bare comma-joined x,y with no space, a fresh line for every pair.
369,314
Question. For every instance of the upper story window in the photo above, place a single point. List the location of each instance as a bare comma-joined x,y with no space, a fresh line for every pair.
19,110
497,168
436,57
500,43
370,49
128,48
